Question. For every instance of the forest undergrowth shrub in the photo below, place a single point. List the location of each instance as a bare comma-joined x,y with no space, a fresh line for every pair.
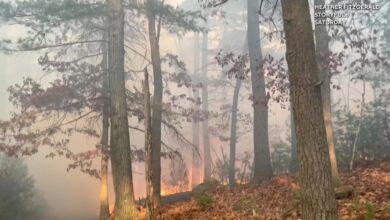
244,204
204,201
373,143
370,211
281,157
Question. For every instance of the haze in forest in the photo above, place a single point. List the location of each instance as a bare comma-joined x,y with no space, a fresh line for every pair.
75,195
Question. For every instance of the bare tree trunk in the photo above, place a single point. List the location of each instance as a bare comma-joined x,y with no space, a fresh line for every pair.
104,203
196,159
150,208
103,195
125,207
205,106
316,186
323,51
154,38
262,159
386,124
362,105
233,135
294,157
242,178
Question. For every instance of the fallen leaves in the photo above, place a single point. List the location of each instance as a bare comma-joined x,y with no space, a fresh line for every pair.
275,199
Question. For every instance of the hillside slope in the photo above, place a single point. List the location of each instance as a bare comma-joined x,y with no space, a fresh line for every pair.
278,199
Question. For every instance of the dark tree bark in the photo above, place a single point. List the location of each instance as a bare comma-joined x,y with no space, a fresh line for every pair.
262,158
125,207
154,38
104,203
316,185
150,208
233,135
294,157
323,51
205,107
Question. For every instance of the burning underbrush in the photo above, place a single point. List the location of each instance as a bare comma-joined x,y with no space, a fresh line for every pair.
167,189
277,199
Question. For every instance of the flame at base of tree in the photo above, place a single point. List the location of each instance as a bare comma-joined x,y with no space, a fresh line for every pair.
167,189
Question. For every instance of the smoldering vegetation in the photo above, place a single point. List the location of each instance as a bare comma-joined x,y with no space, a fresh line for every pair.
77,134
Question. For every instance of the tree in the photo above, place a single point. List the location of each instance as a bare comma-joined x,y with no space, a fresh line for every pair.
323,52
84,18
205,106
19,199
373,144
154,38
196,159
79,91
357,135
233,134
294,159
177,22
262,159
316,185
150,215
235,67
363,39
125,207
104,203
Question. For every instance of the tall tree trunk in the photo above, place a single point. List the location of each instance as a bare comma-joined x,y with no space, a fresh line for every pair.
154,38
262,159
205,107
316,185
225,45
233,135
294,157
323,52
150,208
196,158
125,207
386,123
104,204
362,106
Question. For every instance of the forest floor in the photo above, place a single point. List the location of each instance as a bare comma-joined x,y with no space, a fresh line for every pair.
277,199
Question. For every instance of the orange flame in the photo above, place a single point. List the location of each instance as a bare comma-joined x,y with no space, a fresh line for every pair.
169,190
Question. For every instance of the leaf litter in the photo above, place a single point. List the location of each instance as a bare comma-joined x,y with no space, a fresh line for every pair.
277,199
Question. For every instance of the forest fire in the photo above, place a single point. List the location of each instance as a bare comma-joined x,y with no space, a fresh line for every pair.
167,189
211,109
